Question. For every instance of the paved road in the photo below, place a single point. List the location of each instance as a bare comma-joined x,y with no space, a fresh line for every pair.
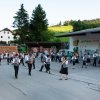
83,84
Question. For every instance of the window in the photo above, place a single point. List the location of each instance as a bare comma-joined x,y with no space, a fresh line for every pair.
1,36
8,37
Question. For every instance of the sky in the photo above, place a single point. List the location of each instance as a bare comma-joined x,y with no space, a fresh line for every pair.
56,10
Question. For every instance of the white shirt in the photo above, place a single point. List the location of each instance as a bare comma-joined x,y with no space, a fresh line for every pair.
48,60
26,57
14,60
65,64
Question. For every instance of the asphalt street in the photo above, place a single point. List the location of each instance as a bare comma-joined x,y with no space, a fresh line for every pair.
83,83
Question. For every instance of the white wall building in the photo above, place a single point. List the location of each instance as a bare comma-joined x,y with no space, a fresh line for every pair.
86,40
6,35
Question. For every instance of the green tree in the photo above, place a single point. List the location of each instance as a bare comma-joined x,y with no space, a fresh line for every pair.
84,24
38,24
21,23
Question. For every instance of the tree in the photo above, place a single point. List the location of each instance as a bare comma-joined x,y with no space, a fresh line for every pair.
38,24
21,23
48,36
78,25
84,24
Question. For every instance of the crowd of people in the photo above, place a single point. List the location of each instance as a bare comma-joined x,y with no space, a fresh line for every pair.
28,60
86,59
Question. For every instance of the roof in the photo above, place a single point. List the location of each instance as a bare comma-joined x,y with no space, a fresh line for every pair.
82,32
6,29
45,44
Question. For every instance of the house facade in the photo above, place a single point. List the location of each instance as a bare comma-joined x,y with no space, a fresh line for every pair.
84,41
6,35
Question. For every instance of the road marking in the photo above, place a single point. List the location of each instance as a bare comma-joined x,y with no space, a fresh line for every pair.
18,89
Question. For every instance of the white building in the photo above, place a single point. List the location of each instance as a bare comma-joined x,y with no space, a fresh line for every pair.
86,40
6,35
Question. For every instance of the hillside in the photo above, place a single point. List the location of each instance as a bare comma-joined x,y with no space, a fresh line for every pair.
61,30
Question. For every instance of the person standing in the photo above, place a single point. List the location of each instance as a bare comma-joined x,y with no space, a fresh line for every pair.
64,69
21,57
94,59
26,58
88,59
0,58
16,62
8,58
84,61
11,57
43,62
74,59
48,61
30,62
34,61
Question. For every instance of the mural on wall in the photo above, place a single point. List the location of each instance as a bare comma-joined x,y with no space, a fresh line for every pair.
82,41
75,42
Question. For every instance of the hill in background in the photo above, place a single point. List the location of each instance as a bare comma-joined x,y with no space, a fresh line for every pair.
59,30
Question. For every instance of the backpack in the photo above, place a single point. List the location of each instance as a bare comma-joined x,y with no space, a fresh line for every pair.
16,62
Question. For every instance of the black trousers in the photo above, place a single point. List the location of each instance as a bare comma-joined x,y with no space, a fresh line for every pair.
29,68
33,64
44,65
48,68
74,63
16,68
0,61
22,61
94,62
8,61
11,59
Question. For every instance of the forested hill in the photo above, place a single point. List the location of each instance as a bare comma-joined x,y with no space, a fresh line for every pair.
83,24
74,25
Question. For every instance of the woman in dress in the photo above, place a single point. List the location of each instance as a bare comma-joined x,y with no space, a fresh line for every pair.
64,68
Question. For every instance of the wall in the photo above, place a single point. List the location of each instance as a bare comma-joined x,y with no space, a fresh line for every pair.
88,42
6,36
6,49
